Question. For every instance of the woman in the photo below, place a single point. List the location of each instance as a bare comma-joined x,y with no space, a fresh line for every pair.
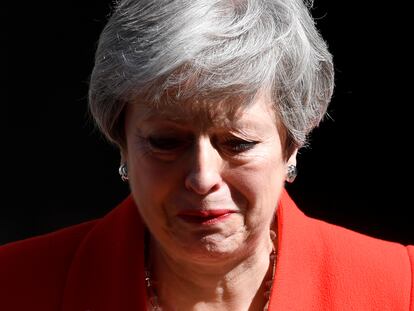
208,102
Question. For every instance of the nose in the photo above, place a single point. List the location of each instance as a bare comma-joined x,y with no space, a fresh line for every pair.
204,175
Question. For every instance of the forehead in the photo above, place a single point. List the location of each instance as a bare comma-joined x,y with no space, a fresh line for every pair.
206,114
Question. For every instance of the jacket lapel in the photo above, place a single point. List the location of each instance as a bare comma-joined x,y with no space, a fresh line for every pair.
107,272
299,261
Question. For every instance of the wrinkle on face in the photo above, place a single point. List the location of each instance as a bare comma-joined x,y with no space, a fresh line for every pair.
203,113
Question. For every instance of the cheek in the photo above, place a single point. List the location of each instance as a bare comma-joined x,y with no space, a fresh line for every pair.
151,186
146,175
150,182
260,184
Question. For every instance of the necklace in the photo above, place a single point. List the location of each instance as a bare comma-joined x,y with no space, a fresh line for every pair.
153,300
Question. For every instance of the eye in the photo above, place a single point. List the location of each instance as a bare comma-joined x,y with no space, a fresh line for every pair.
238,145
160,143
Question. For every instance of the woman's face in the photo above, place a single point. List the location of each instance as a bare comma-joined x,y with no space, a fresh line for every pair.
205,189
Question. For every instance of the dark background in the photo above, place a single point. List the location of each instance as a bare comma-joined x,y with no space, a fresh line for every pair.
357,172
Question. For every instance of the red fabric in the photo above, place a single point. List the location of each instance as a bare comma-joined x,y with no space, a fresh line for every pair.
326,267
98,266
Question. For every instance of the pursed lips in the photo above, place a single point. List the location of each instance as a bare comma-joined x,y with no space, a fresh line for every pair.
205,217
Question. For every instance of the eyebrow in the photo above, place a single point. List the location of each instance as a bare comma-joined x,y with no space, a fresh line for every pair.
184,118
165,121
245,126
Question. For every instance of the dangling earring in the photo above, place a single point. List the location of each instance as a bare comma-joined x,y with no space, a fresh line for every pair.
123,172
292,172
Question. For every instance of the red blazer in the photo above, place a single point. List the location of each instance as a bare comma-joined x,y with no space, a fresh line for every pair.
98,266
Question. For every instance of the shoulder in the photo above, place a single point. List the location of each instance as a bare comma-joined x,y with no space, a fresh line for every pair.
358,246
344,246
369,265
343,267
36,268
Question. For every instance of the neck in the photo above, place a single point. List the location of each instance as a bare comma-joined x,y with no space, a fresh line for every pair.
234,284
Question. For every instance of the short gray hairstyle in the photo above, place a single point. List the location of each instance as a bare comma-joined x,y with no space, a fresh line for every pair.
212,49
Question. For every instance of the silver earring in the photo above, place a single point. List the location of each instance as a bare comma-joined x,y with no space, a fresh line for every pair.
292,172
123,172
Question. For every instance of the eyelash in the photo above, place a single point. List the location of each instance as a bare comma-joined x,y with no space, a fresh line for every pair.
169,145
165,143
237,145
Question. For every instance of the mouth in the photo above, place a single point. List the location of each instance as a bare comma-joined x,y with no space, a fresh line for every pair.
210,217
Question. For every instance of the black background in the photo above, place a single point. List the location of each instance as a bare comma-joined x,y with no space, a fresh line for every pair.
357,172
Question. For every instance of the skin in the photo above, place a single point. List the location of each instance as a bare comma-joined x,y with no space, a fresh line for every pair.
178,161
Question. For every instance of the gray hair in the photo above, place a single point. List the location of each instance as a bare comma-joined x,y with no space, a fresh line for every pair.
212,49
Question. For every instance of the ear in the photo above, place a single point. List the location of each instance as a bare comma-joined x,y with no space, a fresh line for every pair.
123,154
292,158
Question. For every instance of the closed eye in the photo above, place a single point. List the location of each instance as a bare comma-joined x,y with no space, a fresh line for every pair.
165,144
237,145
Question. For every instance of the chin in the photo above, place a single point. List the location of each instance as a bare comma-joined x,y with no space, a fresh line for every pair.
212,247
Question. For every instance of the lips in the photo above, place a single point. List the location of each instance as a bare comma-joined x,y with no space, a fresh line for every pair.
205,217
